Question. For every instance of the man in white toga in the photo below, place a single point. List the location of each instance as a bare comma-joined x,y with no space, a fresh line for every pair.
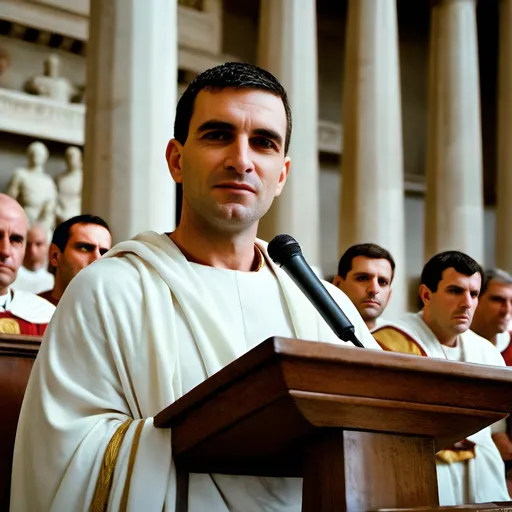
161,313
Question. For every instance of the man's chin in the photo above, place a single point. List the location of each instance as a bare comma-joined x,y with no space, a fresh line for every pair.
461,328
370,312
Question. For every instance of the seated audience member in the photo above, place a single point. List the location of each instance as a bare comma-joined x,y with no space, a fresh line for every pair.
492,320
494,312
76,243
33,276
365,273
472,470
20,312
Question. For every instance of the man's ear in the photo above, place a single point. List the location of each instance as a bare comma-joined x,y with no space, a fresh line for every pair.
283,176
337,281
425,294
53,256
173,157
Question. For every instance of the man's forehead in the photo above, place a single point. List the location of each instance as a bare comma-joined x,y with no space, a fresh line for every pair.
89,232
451,276
36,235
233,105
497,287
13,221
371,265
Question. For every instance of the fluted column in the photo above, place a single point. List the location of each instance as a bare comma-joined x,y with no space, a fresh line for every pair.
454,198
288,49
372,196
504,181
131,98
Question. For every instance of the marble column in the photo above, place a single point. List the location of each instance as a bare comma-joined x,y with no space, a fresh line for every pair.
454,197
504,180
131,99
372,184
288,49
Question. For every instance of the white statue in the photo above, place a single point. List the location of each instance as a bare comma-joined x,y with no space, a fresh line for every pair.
51,85
34,189
69,186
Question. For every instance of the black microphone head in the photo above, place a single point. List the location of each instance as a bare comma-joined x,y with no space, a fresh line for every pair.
283,247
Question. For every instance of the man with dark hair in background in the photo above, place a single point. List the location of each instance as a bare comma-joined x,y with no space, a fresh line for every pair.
76,243
472,470
162,312
32,275
365,273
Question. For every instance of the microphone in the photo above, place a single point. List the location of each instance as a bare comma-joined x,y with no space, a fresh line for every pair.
286,252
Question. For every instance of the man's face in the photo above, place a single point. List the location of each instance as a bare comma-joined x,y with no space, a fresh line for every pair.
451,308
37,249
232,164
13,237
368,286
495,307
86,244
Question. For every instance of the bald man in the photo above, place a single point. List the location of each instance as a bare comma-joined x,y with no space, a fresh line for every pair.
20,312
32,275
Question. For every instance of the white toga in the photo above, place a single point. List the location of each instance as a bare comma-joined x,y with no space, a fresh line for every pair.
132,333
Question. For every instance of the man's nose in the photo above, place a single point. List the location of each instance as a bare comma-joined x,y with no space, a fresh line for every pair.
373,286
5,248
466,300
239,158
95,255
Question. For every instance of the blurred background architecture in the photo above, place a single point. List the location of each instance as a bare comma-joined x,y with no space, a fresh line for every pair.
402,113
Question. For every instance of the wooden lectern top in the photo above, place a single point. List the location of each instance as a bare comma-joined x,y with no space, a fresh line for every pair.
254,415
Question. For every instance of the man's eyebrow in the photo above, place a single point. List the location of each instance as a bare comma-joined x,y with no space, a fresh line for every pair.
455,287
269,134
215,124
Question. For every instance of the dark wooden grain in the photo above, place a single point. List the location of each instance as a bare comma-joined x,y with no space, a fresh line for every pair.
17,355
296,408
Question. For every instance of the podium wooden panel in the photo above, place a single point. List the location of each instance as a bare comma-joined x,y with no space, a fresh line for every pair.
360,426
17,355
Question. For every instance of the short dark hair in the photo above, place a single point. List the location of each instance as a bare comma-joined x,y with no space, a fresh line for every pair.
495,274
62,232
462,263
372,251
237,75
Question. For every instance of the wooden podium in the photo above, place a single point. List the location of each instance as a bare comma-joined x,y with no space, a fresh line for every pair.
17,355
360,426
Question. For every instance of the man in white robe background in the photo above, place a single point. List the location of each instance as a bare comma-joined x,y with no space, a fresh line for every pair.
162,312
492,320
472,471
33,275
365,274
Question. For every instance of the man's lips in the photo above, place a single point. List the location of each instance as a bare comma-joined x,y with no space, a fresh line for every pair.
236,186
371,302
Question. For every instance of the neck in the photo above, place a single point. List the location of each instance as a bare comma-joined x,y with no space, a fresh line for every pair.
448,339
233,251
33,268
482,331
370,324
58,289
